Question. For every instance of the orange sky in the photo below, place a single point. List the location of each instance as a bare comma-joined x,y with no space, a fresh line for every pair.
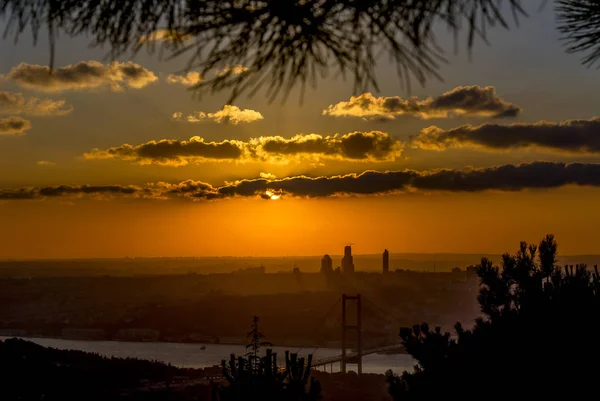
82,175
252,227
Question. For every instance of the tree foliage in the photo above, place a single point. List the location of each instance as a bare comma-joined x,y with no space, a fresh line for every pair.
579,24
31,372
538,337
294,41
266,381
256,377
255,338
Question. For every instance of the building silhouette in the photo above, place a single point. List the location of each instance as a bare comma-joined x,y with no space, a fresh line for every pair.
326,265
347,261
386,262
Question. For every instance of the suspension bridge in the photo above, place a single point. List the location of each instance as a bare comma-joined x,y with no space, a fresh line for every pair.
354,327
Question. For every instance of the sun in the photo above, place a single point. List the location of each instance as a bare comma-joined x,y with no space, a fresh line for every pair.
272,195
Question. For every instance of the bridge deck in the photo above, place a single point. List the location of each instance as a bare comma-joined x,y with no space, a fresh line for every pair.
351,355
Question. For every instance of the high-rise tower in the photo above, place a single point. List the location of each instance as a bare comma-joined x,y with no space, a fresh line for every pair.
326,265
386,262
347,261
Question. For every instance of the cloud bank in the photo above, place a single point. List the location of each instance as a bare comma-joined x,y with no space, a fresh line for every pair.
571,136
228,115
14,126
536,175
470,101
372,146
16,103
85,75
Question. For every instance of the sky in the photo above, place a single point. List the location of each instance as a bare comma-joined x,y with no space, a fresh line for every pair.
112,159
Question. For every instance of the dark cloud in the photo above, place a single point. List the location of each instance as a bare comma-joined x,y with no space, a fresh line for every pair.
84,75
88,190
366,183
473,101
356,146
503,178
14,126
571,136
537,175
18,194
169,152
73,191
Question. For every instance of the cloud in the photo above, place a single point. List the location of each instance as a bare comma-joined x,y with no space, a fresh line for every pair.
237,69
470,101
45,163
97,191
228,115
571,136
190,79
16,103
536,175
234,115
168,152
84,75
372,146
165,35
14,126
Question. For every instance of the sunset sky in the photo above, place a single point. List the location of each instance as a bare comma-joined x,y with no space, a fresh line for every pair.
506,148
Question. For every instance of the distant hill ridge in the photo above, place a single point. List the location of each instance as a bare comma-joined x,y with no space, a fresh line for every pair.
423,262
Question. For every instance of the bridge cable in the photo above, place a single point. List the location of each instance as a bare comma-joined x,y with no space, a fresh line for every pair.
384,312
321,322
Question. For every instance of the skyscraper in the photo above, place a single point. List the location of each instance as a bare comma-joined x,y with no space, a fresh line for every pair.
326,265
386,262
347,261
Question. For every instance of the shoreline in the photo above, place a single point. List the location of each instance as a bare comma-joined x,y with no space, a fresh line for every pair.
4,336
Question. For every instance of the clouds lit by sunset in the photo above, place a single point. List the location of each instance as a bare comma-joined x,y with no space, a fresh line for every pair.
128,148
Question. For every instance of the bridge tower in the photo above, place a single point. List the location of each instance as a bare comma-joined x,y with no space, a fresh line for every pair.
357,328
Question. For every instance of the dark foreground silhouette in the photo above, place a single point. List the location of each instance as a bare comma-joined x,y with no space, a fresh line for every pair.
539,337
538,340
256,377
31,372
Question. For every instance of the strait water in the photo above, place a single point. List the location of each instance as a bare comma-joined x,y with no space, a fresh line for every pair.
193,356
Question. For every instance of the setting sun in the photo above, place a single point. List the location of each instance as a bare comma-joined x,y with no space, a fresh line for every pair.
273,195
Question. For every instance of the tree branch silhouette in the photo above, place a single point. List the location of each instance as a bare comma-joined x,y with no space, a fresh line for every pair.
282,43
579,24
285,43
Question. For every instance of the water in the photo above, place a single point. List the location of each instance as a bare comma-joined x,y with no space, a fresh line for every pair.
192,356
